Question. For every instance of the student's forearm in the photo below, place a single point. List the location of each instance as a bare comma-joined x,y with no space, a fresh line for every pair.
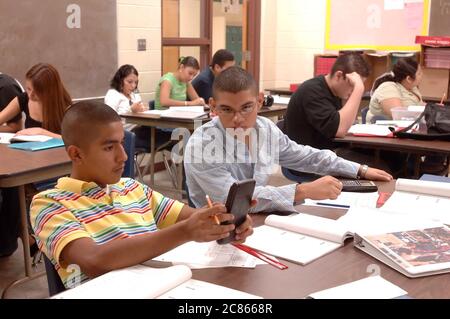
349,111
51,134
10,128
170,102
131,251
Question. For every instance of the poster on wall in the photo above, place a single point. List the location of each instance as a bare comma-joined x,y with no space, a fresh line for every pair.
386,25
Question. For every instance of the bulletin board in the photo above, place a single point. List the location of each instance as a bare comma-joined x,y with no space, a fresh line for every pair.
78,37
386,25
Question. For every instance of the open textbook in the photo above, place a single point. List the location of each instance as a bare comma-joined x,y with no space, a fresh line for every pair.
414,253
180,112
143,282
302,238
299,238
424,199
7,138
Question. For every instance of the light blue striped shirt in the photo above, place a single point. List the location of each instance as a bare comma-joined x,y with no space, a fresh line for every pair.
214,160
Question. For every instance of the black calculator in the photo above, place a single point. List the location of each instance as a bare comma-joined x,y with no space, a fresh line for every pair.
360,186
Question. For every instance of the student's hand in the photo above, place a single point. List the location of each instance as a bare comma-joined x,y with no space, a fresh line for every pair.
138,107
32,131
201,225
374,174
199,101
326,187
244,230
355,80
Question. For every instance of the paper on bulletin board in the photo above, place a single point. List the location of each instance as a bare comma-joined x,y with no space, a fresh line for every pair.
373,27
394,4
413,14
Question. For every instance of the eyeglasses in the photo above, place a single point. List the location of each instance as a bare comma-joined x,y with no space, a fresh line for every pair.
229,112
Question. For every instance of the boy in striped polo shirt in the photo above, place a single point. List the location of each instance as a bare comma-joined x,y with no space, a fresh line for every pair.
100,222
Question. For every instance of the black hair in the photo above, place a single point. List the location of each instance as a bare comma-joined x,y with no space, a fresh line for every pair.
349,63
234,80
403,68
221,57
189,61
124,71
82,119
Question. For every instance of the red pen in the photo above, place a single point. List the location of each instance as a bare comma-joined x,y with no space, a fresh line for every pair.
261,256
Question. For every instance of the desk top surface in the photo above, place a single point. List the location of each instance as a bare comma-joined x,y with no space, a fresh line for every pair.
339,267
397,143
16,162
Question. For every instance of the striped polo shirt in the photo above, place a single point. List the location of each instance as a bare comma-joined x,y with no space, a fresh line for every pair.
77,209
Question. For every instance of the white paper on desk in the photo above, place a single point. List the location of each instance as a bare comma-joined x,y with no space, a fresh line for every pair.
281,99
195,109
209,255
154,112
196,289
350,199
370,130
374,221
374,287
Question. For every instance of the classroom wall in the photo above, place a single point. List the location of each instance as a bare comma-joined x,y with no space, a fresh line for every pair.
140,19
292,31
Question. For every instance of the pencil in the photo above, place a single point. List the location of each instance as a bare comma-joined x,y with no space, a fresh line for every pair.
443,98
210,205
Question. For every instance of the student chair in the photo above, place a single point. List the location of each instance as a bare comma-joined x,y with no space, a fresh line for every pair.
54,282
302,177
166,145
374,119
129,146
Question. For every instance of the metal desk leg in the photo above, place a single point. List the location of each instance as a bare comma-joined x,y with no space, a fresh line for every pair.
152,155
26,245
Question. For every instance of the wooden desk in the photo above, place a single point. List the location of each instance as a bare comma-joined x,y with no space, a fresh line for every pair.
275,110
280,91
21,167
339,267
417,147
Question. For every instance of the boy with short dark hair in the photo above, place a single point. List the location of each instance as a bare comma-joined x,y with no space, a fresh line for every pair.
238,145
203,83
100,222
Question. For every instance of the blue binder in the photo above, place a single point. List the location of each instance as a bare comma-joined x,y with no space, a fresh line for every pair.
37,146
435,178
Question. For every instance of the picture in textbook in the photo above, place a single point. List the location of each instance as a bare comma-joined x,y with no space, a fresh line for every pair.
414,253
143,282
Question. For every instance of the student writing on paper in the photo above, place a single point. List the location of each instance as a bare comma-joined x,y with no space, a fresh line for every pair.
174,88
396,89
123,97
44,102
9,197
100,222
203,83
238,145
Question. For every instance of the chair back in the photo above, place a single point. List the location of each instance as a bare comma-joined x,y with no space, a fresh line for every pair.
130,142
364,114
281,125
151,104
54,282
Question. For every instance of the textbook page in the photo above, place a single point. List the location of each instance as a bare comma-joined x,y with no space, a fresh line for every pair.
208,255
416,252
7,138
421,199
137,282
196,289
299,238
346,200
373,287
